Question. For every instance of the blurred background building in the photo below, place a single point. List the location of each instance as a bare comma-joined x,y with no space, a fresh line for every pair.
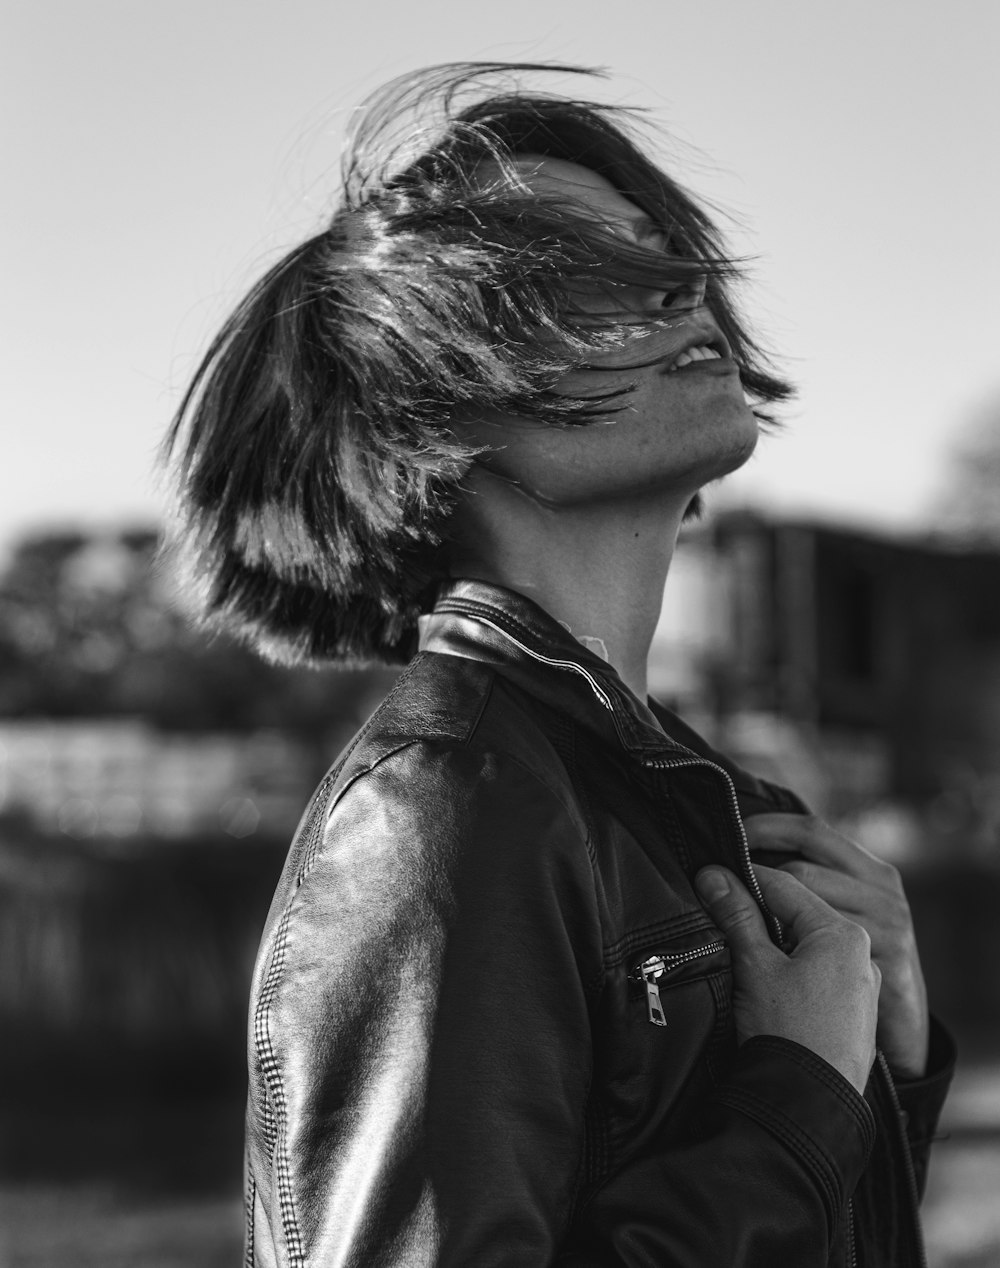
863,669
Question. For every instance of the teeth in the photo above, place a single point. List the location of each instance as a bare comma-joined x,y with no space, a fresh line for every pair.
700,353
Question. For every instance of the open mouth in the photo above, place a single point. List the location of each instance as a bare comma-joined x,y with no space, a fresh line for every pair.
699,352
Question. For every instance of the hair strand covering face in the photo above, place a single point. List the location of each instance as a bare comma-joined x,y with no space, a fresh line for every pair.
317,452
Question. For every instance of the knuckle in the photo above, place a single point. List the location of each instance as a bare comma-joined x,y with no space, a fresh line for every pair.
789,879
856,936
898,921
890,874
737,917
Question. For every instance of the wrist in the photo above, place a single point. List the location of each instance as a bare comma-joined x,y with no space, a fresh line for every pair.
909,1067
904,1019
904,1037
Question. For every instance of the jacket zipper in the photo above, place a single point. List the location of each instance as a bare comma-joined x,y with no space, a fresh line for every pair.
651,970
909,1173
773,924
746,868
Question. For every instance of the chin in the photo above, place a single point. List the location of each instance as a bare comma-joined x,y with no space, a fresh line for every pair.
724,446
743,446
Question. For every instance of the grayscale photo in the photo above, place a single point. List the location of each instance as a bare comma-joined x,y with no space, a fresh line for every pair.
500,637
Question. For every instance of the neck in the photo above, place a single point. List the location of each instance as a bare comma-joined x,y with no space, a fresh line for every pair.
598,569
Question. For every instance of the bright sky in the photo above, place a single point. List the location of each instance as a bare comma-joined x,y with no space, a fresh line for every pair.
157,156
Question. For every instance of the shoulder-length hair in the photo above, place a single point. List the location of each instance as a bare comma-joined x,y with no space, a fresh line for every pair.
318,449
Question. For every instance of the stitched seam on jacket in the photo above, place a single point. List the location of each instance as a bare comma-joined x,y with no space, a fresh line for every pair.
817,1067
468,741
272,1076
270,1128
597,1155
794,1138
250,1198
317,828
643,936
275,1124
262,1034
722,1029
572,811
274,1121
322,793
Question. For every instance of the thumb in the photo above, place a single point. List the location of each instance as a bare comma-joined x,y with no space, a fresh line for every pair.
733,909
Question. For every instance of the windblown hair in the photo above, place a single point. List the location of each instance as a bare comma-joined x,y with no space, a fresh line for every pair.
319,448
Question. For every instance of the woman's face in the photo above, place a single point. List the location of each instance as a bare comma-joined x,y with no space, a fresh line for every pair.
686,422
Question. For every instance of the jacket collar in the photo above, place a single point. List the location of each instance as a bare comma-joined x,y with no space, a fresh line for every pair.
499,627
485,622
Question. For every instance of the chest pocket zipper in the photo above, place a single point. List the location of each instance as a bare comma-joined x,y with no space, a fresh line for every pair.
651,972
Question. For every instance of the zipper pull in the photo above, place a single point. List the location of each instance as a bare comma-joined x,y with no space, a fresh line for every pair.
650,970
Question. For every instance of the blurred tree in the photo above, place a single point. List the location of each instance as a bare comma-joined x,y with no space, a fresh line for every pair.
969,507
89,627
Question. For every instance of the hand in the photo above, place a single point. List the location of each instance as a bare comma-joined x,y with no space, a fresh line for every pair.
869,891
823,994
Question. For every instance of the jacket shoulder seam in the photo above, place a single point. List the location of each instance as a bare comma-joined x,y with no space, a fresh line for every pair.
442,742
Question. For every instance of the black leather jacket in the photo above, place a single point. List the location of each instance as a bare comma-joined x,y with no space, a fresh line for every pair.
491,1020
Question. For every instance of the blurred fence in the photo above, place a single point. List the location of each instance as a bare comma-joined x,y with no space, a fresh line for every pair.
124,969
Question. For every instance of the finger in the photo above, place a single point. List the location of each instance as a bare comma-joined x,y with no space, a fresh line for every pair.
880,912
773,831
810,837
734,910
844,893
798,908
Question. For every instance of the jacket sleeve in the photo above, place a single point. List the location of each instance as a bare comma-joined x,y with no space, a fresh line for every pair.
423,1025
921,1100
423,1036
766,1180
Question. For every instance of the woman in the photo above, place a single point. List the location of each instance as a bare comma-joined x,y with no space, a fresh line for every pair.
521,997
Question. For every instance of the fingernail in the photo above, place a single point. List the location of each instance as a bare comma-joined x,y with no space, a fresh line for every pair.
712,884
